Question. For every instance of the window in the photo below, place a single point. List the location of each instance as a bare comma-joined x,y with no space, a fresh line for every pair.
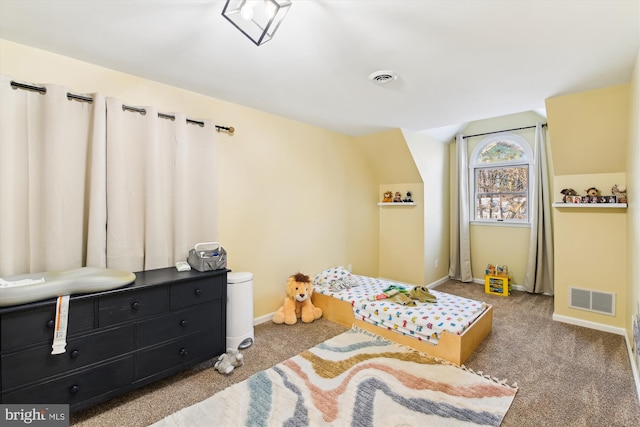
500,168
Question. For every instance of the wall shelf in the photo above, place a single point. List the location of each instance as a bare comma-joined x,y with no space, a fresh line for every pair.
396,203
590,205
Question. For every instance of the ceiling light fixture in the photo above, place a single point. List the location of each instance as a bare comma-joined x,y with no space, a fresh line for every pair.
256,19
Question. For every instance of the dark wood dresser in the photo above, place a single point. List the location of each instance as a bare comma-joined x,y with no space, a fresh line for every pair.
118,340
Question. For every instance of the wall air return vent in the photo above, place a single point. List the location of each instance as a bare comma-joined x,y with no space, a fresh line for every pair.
598,302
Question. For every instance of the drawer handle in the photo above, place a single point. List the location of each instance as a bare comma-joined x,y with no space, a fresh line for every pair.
74,354
198,292
50,323
74,389
183,351
183,323
135,305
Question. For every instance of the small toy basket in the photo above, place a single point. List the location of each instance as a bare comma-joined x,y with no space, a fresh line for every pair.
214,258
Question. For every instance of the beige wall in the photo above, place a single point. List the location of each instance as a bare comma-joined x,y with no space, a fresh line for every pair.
499,244
633,193
589,137
293,197
432,160
589,131
400,229
401,248
390,157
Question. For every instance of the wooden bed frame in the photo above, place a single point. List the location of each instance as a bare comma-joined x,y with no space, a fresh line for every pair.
450,347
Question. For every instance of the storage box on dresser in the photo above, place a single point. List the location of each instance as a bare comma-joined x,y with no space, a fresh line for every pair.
118,340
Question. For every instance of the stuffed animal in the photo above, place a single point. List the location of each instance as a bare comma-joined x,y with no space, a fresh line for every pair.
408,199
235,357
387,197
620,191
228,361
592,192
224,364
297,303
568,192
397,198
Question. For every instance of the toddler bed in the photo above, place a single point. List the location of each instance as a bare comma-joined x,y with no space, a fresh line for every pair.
451,328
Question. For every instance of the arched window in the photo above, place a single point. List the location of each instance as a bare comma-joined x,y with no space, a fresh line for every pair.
500,167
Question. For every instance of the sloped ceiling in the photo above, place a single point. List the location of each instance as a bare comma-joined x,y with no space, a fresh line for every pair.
457,61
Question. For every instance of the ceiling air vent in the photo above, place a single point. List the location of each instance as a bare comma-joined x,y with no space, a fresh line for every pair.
383,77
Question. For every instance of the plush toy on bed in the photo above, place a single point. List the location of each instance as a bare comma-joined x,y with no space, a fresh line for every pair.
297,303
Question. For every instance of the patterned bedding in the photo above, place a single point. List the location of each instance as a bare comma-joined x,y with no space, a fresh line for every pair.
424,321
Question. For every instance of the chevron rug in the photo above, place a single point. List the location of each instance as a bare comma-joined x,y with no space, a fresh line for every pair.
356,379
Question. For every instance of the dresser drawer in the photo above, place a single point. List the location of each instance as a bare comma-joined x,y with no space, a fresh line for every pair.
127,306
77,387
36,364
175,325
197,291
26,327
170,356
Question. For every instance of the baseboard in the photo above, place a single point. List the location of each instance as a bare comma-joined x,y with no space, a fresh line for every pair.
590,325
263,319
438,282
634,366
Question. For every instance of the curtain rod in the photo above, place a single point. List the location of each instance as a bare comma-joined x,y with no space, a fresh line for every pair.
499,131
43,90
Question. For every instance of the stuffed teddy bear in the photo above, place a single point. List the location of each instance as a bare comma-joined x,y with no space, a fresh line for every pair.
397,198
228,361
387,197
297,303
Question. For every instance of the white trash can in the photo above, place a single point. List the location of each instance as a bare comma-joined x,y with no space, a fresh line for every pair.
239,310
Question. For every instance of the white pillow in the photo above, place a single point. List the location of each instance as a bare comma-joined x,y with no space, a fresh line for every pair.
335,278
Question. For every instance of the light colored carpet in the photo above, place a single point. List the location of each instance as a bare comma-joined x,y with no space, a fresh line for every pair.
355,378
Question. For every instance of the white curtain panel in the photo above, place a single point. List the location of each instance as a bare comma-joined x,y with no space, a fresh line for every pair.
539,273
90,184
460,253
161,188
52,157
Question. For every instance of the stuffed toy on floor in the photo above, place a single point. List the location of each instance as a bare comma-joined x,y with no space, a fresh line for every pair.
297,303
228,361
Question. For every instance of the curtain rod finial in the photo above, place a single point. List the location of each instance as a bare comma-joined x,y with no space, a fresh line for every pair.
228,129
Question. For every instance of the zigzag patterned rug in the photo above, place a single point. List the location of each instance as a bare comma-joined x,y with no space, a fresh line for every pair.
356,379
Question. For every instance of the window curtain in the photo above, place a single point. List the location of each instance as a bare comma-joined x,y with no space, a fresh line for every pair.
539,273
89,184
161,187
52,154
460,254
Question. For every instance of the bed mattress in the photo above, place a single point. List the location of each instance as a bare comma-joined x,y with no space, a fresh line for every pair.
422,321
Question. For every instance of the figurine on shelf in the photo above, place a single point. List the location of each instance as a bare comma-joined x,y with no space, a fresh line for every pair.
397,198
568,192
408,199
620,191
592,192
